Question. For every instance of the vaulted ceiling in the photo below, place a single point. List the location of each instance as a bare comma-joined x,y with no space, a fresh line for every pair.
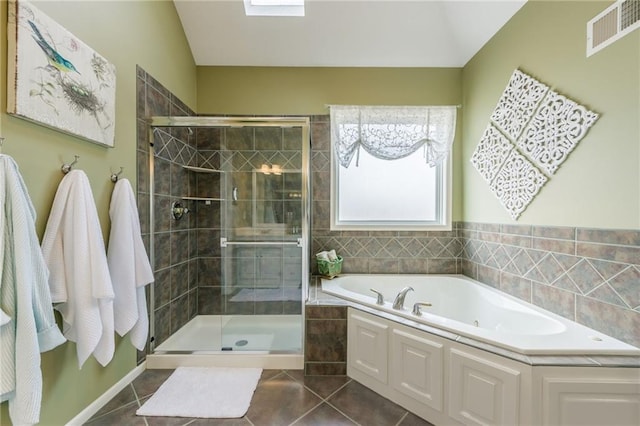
337,33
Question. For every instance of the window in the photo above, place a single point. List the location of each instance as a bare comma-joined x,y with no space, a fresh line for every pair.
390,167
274,7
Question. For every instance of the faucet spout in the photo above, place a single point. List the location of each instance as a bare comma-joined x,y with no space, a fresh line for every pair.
398,303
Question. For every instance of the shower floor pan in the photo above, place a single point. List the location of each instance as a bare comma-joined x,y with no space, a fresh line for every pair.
267,341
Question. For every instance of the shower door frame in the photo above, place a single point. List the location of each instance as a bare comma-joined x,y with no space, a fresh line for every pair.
231,122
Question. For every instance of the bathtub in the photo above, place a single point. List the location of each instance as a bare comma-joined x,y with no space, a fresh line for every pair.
465,307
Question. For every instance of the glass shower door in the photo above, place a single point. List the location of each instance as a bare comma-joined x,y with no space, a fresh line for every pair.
263,239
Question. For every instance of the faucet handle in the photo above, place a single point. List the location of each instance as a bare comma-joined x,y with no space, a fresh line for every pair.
380,300
416,308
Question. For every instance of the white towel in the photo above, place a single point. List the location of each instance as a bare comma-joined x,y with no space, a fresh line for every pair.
27,323
80,283
129,266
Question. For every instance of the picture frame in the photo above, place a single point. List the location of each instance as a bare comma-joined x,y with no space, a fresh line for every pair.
56,80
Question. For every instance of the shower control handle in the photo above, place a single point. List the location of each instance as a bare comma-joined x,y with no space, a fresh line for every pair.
234,193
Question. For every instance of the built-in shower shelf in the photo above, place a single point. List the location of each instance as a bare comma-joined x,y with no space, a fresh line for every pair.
202,199
201,169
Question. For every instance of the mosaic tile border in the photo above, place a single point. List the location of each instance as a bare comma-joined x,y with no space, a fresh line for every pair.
591,276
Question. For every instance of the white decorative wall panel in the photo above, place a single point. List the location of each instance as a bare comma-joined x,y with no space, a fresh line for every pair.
555,130
518,103
491,153
530,126
517,183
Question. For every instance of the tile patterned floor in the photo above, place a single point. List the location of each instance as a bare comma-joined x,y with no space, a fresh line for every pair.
282,398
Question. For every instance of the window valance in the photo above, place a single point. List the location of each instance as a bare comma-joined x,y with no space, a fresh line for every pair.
390,132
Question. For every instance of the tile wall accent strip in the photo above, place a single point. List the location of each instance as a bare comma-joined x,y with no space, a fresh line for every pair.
591,276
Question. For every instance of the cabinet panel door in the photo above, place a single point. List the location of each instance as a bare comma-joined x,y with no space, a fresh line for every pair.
590,402
368,343
482,392
417,368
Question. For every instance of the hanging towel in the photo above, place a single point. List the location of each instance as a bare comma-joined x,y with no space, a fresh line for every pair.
27,323
80,283
129,266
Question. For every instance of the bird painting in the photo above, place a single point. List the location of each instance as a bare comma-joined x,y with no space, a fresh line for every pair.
55,59
70,88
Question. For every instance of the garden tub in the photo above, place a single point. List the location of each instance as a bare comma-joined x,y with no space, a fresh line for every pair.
465,307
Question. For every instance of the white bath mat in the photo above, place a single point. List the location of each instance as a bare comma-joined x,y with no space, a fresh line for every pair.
204,392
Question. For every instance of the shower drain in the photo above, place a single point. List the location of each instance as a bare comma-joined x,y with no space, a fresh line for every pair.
242,342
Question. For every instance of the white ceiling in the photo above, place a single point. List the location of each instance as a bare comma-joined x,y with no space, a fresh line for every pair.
338,33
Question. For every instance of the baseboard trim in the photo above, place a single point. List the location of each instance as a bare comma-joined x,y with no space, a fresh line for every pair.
96,405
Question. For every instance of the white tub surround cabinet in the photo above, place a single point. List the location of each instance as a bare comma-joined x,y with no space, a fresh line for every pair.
447,382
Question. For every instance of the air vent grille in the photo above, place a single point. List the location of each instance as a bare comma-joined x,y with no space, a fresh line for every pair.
629,13
611,24
605,28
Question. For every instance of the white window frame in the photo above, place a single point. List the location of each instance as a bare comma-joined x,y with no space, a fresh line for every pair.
443,199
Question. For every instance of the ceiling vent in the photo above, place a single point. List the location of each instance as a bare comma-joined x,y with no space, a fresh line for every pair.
611,24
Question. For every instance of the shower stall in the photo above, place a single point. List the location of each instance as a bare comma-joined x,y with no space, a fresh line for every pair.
229,220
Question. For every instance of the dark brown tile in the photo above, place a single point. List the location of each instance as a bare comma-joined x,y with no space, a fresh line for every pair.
124,397
163,250
326,340
325,368
365,406
167,421
320,136
220,422
323,386
280,401
149,381
162,287
179,312
209,300
413,420
162,324
326,312
324,414
269,374
125,415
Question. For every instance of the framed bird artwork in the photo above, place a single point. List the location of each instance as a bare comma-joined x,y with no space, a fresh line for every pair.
55,79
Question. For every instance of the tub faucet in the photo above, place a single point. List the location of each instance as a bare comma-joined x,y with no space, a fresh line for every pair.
398,303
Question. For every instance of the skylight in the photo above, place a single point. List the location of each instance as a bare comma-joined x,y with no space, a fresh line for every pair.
274,7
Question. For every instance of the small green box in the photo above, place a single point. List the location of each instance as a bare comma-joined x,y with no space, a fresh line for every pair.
330,269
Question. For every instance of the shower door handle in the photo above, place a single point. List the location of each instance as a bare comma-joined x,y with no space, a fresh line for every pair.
234,193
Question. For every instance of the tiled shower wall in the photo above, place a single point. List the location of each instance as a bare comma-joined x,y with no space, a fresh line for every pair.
175,241
237,151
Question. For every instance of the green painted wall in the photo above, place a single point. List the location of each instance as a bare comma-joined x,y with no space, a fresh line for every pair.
307,91
599,184
127,33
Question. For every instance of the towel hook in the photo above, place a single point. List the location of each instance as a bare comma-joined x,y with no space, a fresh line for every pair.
66,168
114,176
